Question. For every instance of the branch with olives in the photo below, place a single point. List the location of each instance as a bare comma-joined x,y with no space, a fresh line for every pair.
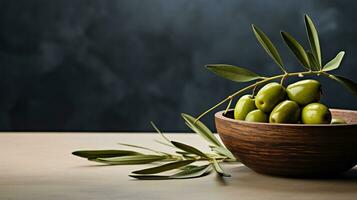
180,164
309,59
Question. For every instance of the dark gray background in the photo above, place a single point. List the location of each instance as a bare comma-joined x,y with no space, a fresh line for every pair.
116,65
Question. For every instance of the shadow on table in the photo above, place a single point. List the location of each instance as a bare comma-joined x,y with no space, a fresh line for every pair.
243,177
350,175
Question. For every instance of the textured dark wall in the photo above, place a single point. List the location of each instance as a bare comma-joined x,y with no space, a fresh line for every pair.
116,65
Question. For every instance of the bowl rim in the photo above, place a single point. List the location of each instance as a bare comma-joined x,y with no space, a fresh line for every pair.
220,115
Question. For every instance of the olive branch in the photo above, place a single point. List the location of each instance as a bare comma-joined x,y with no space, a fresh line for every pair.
181,162
309,59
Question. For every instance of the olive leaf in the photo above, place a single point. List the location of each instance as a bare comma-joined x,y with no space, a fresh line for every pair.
268,46
225,152
131,160
345,82
192,172
313,63
189,149
165,143
188,167
200,129
217,167
313,39
161,134
186,155
183,153
334,63
165,167
233,73
140,147
93,154
297,49
150,177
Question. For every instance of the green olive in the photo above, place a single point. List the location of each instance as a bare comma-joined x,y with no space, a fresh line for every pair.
244,105
315,113
338,121
304,92
257,116
269,96
285,112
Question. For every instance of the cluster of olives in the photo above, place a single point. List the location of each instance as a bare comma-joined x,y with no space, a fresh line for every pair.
298,103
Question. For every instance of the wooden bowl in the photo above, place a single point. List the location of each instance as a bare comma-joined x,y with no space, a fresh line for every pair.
292,150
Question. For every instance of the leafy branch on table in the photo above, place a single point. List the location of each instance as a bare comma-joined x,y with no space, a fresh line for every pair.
182,161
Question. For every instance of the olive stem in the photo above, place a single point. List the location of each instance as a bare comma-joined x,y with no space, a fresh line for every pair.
282,79
253,92
229,105
267,79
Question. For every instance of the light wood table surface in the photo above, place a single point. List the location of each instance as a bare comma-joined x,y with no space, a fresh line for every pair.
39,166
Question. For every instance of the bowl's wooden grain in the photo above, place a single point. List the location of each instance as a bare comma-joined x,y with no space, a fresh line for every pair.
292,150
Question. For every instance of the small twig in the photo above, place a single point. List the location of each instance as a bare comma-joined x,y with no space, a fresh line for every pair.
283,78
229,104
254,90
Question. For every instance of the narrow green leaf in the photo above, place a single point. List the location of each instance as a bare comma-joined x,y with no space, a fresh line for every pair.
224,152
165,167
313,39
202,130
334,63
188,167
159,132
268,46
189,156
150,177
233,73
165,143
140,147
217,167
296,48
313,63
131,160
168,142
192,172
189,149
347,83
93,154
183,153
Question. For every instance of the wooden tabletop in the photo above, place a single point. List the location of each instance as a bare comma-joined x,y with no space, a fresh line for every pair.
39,166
